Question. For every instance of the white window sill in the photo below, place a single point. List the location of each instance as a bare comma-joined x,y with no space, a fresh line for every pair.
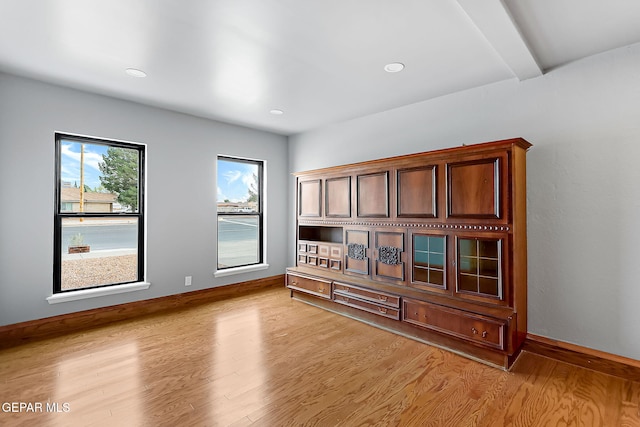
239,270
96,292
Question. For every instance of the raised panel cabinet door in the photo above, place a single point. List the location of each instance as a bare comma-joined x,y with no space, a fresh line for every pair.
416,192
373,195
356,257
473,188
310,198
389,250
338,197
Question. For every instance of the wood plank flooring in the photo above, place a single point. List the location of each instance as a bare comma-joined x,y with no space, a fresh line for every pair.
265,360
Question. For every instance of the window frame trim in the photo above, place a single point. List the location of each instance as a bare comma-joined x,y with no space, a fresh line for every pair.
261,214
58,217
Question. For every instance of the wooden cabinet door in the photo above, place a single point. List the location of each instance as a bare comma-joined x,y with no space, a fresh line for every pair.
310,198
428,262
416,192
338,197
372,195
477,188
389,254
481,268
356,252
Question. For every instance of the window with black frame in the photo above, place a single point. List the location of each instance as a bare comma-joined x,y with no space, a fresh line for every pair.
99,213
240,212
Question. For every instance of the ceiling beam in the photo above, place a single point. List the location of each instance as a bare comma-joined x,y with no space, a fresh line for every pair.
495,22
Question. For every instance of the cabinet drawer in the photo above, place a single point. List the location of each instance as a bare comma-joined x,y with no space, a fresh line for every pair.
382,310
367,294
472,327
314,286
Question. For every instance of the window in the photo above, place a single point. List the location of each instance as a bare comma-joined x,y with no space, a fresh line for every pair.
240,204
99,213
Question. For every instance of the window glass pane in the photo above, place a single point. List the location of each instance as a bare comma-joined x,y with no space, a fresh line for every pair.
421,258
238,240
467,247
238,186
436,244
420,274
436,260
468,283
98,251
469,265
96,178
421,243
488,248
488,286
436,277
489,267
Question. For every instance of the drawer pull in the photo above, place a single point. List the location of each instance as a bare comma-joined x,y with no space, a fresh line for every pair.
382,298
475,332
294,283
321,290
382,310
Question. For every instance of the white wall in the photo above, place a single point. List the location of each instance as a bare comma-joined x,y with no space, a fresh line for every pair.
583,192
181,210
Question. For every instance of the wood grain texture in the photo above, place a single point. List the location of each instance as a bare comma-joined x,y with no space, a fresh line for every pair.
468,197
601,361
264,359
15,334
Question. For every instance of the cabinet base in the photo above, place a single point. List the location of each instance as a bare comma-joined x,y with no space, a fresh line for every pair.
489,357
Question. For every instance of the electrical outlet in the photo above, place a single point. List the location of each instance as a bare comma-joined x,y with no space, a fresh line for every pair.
187,280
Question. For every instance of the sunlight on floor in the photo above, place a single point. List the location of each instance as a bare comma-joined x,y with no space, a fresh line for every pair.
111,375
239,348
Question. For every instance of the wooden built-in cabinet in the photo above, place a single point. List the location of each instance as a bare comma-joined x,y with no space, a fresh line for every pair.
430,245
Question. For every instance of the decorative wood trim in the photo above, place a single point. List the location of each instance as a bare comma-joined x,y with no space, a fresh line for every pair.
468,227
18,333
442,154
596,360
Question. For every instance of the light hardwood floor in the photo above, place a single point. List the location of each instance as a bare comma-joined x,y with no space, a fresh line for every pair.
265,360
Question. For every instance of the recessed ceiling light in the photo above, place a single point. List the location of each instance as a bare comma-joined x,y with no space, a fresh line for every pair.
394,67
276,112
133,72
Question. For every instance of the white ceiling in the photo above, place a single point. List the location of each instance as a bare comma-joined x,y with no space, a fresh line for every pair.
319,61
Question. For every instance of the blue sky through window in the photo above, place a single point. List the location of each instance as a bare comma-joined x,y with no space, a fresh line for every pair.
234,179
70,163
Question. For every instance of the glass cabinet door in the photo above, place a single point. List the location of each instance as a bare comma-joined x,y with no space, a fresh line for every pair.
429,261
480,267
